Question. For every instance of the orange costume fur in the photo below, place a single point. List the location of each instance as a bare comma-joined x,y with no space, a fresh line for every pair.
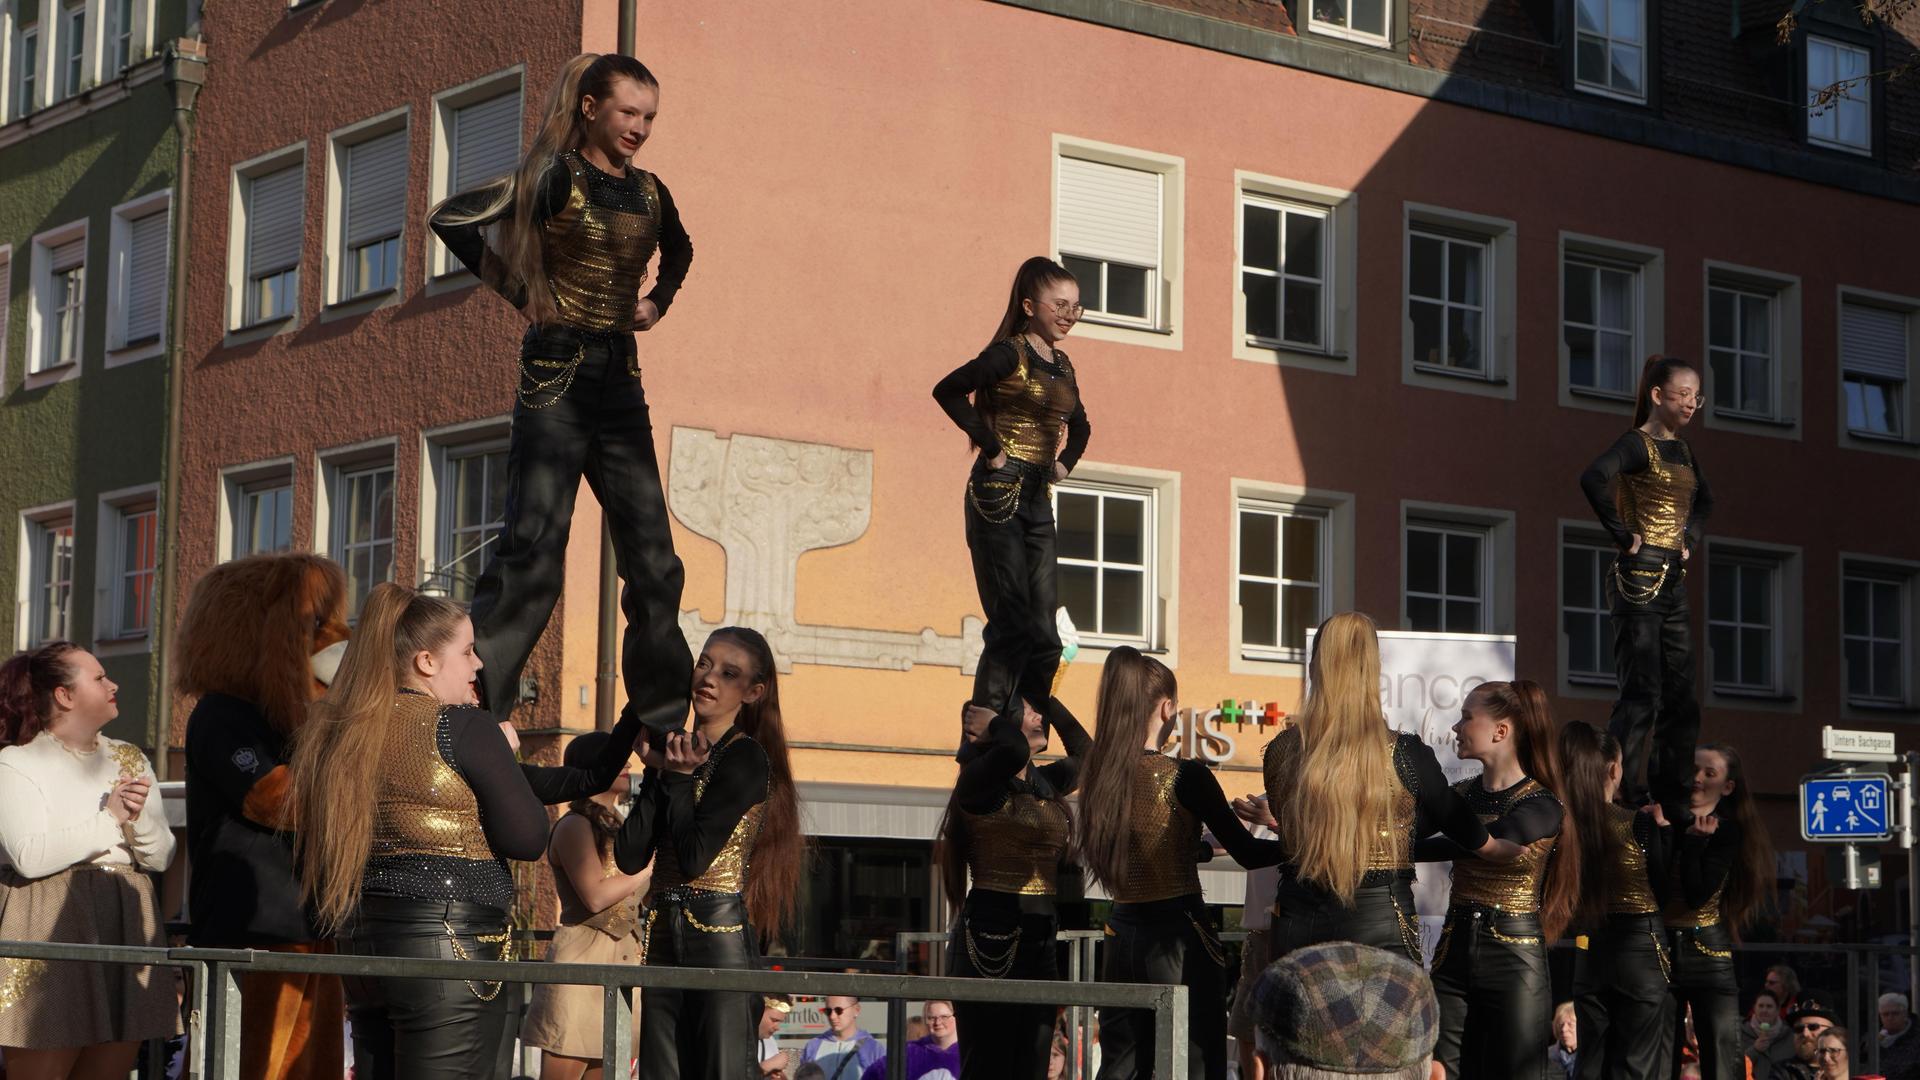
251,631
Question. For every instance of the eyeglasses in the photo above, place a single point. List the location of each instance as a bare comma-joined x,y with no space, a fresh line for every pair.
1062,307
1831,1051
836,1010
938,1018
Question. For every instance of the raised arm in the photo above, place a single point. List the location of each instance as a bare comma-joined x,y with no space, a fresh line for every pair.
511,816
555,784
699,829
1199,791
1074,740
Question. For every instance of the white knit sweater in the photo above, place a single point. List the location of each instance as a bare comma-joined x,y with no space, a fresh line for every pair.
53,809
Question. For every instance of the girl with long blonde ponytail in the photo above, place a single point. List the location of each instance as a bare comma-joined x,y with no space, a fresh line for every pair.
1350,796
566,237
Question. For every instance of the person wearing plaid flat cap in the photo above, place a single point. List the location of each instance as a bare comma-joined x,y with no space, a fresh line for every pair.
1338,1009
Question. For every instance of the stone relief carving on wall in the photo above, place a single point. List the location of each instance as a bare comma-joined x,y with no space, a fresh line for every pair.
768,501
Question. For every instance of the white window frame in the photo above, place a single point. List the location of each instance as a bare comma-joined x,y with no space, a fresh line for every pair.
440,261
238,485
439,449
1336,510
1901,579
138,32
41,371
1585,538
1165,328
240,327
6,309
1648,264
1346,32
111,569
1449,532
1608,42
120,266
1326,281
75,67
1499,241
1340,255
1859,92
36,523
1148,566
26,83
1775,626
1322,517
1784,292
336,258
335,468
1495,528
1907,439
1163,579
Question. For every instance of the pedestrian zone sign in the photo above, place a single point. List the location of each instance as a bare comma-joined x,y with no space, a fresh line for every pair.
1847,807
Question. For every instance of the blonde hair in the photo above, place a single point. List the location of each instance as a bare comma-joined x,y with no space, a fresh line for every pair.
1342,796
334,784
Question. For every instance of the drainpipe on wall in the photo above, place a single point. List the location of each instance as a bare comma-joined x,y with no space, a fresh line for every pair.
186,73
608,677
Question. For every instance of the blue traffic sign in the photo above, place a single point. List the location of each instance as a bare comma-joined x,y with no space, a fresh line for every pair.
1846,807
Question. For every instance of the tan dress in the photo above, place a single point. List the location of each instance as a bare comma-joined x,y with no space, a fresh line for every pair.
566,1019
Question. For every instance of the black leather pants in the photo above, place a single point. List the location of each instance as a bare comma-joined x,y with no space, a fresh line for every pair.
699,1034
1382,916
1010,533
593,423
1496,996
1017,1038
424,1029
1653,664
1620,1000
1167,941
1703,977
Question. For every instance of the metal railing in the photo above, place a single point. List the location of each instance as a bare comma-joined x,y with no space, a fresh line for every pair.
214,1021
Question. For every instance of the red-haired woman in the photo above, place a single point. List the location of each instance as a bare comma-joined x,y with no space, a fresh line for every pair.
719,817
574,226
1019,402
78,835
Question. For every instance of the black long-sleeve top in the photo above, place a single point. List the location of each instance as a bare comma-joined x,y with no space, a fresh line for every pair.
1628,456
987,778
1523,823
1702,865
974,380
468,241
556,784
1199,791
667,810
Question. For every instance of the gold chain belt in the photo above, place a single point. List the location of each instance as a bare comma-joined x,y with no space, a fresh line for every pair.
1207,941
504,939
999,966
1693,935
1639,595
563,380
1001,502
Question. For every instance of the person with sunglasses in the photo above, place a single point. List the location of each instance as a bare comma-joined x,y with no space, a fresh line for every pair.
845,1050
1019,403
1807,1023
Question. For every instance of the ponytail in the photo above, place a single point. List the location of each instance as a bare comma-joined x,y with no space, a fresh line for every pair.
1655,376
27,682
1523,704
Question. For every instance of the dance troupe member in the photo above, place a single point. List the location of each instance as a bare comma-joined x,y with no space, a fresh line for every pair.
1139,834
1007,829
1019,403
718,815
1651,498
576,224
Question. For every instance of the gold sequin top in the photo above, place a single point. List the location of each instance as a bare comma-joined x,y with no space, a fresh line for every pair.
1510,887
1163,840
727,873
1629,891
1018,848
423,807
1657,503
596,256
1392,850
1031,406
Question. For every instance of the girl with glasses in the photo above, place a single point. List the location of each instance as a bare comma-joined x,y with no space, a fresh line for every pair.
1019,403
1651,498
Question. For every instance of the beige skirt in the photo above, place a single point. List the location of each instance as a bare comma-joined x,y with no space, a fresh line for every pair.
58,1004
566,1019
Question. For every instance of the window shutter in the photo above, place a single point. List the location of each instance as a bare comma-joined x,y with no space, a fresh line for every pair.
486,141
1873,342
273,221
146,276
1109,212
376,195
67,255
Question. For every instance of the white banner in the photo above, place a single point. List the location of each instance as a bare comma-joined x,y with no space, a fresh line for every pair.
1424,679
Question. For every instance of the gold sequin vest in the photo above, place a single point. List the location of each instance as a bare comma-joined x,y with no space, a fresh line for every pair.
727,873
1163,839
596,257
1629,891
1030,407
1017,848
1392,850
1510,887
1657,503
1681,917
422,806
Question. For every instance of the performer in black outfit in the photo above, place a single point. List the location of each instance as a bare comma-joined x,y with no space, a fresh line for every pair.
1349,796
576,226
1490,966
1026,419
1008,827
719,817
1722,869
1650,496
1620,979
1141,813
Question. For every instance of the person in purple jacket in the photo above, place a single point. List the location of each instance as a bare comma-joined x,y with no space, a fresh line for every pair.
844,1051
934,1057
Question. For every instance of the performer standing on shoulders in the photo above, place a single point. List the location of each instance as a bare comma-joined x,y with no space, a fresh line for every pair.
1650,496
1722,869
576,224
719,817
1490,967
1008,828
1027,421
1620,976
1141,813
